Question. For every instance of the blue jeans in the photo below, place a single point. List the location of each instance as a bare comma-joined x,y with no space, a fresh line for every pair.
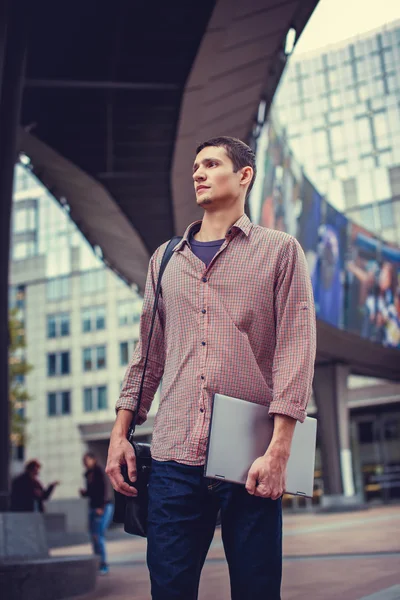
98,525
183,508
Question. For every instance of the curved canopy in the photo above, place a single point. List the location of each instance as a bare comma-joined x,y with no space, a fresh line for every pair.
116,100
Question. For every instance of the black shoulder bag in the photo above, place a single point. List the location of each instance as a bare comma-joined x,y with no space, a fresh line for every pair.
132,512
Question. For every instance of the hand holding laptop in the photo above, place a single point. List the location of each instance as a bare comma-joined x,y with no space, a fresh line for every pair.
247,446
267,476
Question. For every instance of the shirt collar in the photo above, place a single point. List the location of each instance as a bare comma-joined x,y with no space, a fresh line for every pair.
242,224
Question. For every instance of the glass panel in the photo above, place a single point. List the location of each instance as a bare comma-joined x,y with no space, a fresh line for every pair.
102,397
93,281
386,214
58,288
87,359
64,323
64,363
51,364
51,404
86,319
363,130
100,317
381,125
123,313
51,326
20,220
123,353
366,215
65,403
101,357
88,399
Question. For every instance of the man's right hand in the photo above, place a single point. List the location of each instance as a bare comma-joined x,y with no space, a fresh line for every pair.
120,452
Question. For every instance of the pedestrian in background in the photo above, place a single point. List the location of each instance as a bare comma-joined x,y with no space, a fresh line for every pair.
100,507
27,493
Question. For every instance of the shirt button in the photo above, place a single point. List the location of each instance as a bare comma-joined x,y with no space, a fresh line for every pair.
203,343
202,410
229,232
204,279
204,311
202,377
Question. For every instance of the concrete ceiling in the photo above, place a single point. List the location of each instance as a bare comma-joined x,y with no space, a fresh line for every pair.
116,100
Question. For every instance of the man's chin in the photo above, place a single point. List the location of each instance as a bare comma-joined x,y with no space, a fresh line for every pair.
204,201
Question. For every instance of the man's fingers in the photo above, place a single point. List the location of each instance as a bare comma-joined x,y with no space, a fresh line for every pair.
119,484
131,466
251,482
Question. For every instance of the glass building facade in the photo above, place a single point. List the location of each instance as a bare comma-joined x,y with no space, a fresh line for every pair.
340,108
81,324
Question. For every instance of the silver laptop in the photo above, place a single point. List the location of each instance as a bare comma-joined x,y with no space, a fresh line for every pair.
240,432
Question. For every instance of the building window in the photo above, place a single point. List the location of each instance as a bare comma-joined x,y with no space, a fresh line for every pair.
365,217
23,250
57,325
125,351
58,364
100,357
58,403
93,318
87,359
386,214
394,178
24,219
95,398
94,358
128,312
350,192
93,281
58,288
16,297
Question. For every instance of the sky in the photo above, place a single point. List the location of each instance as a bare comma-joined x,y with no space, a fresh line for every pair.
337,20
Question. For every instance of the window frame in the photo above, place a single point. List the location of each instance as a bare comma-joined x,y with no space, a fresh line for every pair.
60,401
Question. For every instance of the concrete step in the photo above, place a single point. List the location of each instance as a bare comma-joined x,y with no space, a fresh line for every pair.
47,578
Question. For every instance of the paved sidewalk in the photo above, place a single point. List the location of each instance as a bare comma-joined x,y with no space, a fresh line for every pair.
348,556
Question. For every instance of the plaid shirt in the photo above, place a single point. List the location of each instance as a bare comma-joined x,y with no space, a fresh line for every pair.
245,326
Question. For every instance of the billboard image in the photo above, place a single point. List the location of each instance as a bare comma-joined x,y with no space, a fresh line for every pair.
373,282
328,274
281,186
355,276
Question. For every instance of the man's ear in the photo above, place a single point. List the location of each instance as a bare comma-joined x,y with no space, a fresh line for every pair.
246,176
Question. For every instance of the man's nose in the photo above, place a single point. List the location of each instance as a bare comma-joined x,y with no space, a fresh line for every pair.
199,176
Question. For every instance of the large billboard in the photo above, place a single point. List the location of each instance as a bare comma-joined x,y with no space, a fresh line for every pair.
355,276
373,288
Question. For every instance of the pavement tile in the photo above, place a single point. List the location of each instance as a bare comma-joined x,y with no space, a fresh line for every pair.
327,556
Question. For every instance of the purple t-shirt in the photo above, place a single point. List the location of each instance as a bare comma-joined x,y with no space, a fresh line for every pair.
205,251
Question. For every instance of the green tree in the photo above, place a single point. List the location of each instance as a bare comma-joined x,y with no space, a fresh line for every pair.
18,368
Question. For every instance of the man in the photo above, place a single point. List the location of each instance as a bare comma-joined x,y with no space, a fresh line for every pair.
236,317
27,493
100,508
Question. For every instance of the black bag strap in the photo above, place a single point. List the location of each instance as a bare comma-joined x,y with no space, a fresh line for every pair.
165,260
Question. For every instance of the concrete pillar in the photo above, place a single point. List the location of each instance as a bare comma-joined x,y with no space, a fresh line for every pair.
13,36
330,390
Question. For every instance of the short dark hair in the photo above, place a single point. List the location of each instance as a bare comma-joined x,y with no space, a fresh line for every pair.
89,454
31,465
240,154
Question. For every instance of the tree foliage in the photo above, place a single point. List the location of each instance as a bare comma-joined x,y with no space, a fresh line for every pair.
18,368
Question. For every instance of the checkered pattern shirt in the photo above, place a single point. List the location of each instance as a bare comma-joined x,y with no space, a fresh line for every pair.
245,327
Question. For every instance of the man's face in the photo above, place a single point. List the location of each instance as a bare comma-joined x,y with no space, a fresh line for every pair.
214,179
89,462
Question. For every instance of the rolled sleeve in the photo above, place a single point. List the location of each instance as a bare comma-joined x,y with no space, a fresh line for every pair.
295,330
155,366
